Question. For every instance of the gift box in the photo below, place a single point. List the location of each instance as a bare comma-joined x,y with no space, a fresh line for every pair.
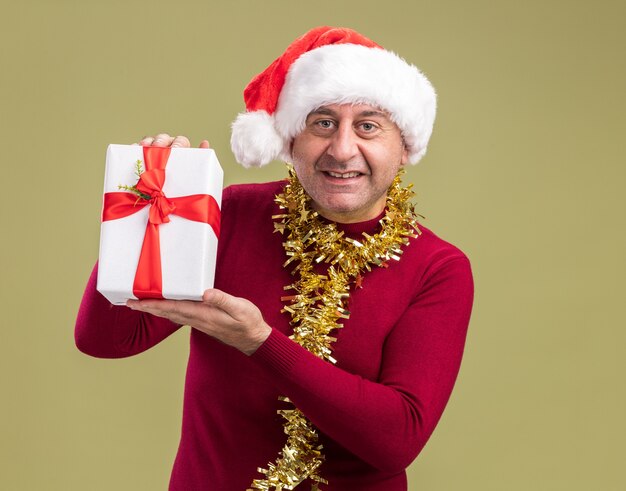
160,223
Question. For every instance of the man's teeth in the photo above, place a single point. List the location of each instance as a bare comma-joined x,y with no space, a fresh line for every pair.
343,176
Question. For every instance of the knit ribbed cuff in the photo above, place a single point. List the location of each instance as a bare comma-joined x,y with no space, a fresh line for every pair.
278,353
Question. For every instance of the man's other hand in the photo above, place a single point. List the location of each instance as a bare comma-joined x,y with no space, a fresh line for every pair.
232,320
165,140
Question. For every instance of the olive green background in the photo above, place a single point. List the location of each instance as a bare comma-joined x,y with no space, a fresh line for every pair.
525,172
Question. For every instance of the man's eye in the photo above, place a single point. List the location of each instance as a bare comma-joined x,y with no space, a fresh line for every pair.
325,123
368,127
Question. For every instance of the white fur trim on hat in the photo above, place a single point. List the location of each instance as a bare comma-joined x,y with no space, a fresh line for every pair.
351,73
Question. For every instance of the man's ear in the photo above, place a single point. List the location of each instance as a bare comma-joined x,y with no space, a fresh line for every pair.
405,154
288,149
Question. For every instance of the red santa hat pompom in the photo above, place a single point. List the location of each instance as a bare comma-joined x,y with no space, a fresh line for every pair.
330,66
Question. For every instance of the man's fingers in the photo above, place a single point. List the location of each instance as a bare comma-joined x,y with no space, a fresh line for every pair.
165,140
216,298
162,140
181,142
235,307
180,311
162,308
146,141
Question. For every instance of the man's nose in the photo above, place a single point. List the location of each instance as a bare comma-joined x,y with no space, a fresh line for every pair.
344,144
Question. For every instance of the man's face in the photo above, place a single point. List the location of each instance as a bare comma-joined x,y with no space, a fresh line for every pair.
346,158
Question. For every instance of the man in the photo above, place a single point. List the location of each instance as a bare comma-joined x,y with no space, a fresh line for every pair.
328,297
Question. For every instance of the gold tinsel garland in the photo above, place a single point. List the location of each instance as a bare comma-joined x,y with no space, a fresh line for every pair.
318,303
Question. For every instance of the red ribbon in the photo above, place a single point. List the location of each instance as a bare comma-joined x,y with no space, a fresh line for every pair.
203,208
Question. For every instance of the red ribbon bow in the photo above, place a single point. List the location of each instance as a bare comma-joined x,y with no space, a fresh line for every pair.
197,207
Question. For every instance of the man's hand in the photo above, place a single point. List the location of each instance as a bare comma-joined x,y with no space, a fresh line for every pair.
232,320
165,140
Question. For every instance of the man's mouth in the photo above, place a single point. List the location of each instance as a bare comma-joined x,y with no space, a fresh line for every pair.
343,175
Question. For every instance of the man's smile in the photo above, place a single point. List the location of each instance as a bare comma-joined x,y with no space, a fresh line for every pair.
342,175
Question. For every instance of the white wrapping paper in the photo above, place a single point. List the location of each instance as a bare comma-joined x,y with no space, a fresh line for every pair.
188,248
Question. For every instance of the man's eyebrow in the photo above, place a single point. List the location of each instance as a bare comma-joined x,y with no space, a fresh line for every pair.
324,111
373,113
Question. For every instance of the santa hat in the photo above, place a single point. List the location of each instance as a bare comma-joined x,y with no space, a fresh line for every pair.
330,66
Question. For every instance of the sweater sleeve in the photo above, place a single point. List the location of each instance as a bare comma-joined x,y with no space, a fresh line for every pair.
104,330
386,423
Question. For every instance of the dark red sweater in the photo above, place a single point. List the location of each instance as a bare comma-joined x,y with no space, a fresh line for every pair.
398,357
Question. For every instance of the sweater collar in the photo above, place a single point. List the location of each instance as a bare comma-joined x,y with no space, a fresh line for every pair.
355,229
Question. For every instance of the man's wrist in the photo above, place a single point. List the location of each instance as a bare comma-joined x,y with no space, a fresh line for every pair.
261,336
